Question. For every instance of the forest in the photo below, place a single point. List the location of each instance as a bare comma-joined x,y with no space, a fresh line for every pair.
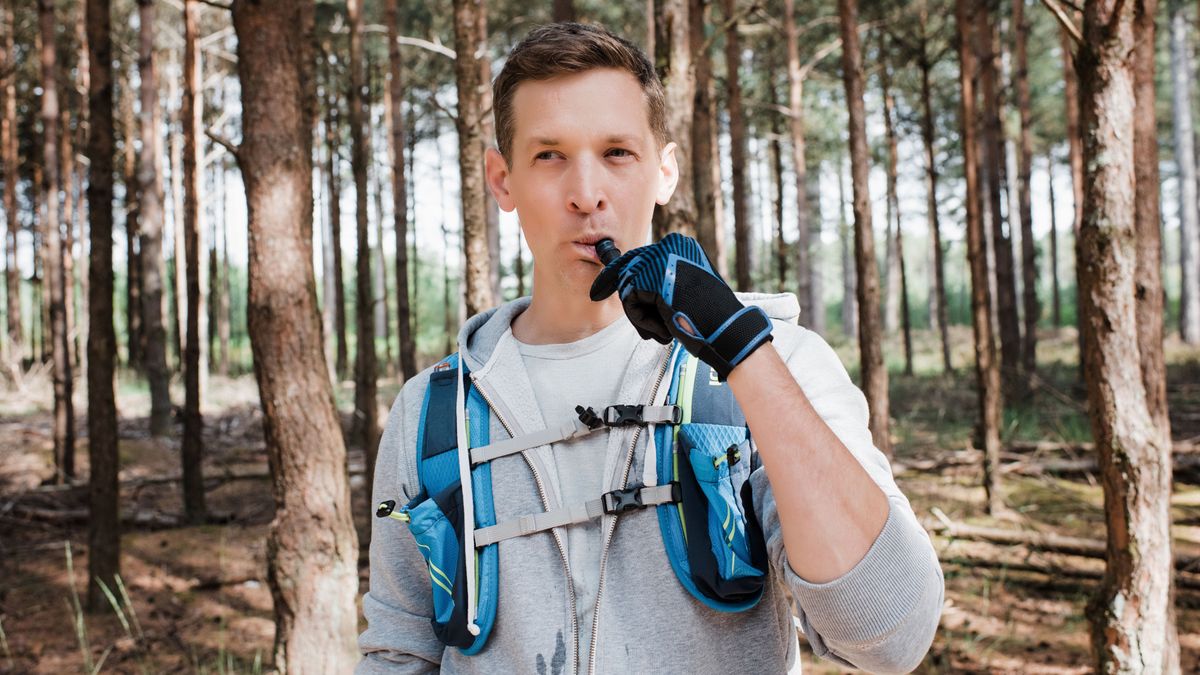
233,229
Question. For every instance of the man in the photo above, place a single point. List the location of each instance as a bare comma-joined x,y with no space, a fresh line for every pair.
584,156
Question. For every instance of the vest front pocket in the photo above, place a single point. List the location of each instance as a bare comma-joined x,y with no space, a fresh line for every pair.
436,523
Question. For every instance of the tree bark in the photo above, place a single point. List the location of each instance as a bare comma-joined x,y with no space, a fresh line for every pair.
993,158
1055,295
710,203
104,529
133,264
1131,616
1024,169
365,429
312,549
179,284
154,359
849,281
55,277
895,245
11,177
1185,158
804,272
737,148
195,350
937,304
468,16
396,85
987,370
672,55
870,337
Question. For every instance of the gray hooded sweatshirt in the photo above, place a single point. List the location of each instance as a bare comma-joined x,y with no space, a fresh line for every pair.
880,616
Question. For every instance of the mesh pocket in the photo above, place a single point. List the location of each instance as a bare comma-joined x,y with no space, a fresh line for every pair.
435,524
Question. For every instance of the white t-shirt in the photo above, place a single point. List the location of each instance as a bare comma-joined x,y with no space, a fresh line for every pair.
586,372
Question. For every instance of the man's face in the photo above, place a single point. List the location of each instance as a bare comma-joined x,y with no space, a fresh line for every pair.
585,166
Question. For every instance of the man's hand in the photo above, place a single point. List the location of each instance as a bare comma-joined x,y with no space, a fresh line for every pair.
670,290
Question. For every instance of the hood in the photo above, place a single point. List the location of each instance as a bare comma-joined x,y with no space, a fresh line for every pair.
480,334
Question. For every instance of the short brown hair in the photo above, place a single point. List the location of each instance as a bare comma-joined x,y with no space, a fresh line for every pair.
564,48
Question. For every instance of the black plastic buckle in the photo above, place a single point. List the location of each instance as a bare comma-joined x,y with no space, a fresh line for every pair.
622,501
624,415
385,508
589,417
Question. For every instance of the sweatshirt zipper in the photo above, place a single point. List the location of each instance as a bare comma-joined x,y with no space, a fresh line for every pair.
662,369
562,550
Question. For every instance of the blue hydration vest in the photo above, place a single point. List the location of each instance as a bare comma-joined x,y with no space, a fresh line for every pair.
702,494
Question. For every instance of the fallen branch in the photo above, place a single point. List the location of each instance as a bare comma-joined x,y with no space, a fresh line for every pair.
1055,572
1039,541
140,519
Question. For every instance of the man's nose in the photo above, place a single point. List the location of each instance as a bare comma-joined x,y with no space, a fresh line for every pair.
585,190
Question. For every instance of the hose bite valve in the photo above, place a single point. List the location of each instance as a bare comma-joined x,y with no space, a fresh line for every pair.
607,251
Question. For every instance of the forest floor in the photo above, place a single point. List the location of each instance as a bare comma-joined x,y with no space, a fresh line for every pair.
197,601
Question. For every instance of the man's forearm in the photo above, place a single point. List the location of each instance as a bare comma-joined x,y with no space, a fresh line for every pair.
830,509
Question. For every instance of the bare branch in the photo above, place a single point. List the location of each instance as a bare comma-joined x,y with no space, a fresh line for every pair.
1065,20
225,143
726,25
218,5
435,47
829,48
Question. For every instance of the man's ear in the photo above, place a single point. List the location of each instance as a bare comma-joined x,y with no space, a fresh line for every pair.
496,173
668,174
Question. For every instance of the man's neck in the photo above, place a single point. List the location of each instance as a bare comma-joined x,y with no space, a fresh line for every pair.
558,315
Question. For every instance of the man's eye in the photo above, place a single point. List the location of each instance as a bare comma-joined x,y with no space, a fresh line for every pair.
547,154
625,153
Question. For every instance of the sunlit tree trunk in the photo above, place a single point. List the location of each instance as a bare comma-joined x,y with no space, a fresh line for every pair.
672,54
470,124
54,274
742,229
154,359
1075,155
195,351
133,265
849,280
895,245
1055,294
870,337
179,283
312,549
804,273
8,164
987,370
333,141
1131,615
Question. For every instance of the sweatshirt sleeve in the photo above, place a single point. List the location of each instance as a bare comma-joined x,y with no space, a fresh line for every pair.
398,638
880,616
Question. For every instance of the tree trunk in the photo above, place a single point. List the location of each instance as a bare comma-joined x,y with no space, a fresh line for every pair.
775,153
672,54
707,165
896,239
312,550
1024,169
154,360
333,138
804,272
1185,157
742,236
195,351
1056,298
224,306
383,317
874,372
987,370
937,304
133,265
1148,286
849,281
468,16
82,83
11,177
179,284
66,174
395,97
366,410
64,409
104,528
564,10
993,158
1075,153
1131,616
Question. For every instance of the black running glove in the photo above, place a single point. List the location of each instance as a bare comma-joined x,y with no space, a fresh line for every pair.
671,291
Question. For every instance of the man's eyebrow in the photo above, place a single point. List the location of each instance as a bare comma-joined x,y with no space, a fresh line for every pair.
613,138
